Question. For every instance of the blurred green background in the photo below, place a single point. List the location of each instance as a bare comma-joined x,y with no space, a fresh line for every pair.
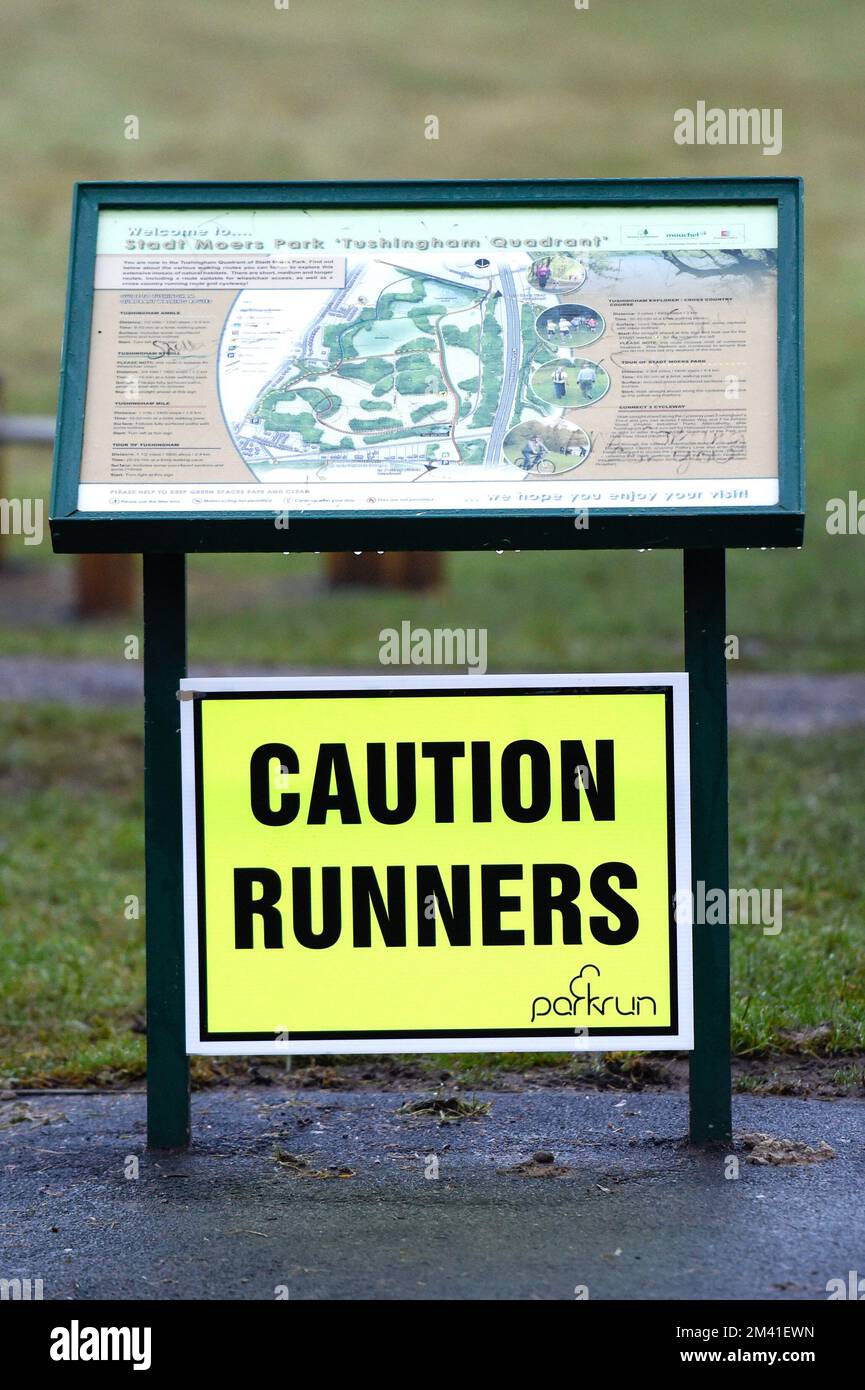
237,89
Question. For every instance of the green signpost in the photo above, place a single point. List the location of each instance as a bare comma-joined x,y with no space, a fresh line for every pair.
312,367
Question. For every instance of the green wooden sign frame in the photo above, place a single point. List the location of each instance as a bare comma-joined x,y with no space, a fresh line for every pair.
165,539
441,529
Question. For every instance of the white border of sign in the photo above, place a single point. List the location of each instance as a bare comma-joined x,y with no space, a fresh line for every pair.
683,1040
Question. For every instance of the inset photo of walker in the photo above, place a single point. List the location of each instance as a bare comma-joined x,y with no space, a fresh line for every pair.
564,270
571,383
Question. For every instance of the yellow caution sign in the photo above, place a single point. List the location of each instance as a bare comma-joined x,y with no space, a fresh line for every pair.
437,864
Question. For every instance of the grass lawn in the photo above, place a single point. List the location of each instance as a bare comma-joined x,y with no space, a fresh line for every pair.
71,849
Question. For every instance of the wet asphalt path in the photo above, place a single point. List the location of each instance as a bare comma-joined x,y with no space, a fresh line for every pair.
637,1214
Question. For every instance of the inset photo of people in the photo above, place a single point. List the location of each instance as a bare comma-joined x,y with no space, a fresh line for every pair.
571,383
547,449
570,325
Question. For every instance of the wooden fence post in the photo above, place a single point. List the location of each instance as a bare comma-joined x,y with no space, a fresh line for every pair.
396,569
105,585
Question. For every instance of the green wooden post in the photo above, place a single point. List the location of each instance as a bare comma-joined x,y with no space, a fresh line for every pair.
705,660
164,665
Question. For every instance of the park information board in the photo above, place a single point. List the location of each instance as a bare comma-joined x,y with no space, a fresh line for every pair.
489,862
483,364
418,864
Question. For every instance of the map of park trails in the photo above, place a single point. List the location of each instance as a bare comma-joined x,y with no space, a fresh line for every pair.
496,366
408,368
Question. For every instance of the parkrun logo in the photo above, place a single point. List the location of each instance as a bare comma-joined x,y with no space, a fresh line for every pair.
565,1005
77,1343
